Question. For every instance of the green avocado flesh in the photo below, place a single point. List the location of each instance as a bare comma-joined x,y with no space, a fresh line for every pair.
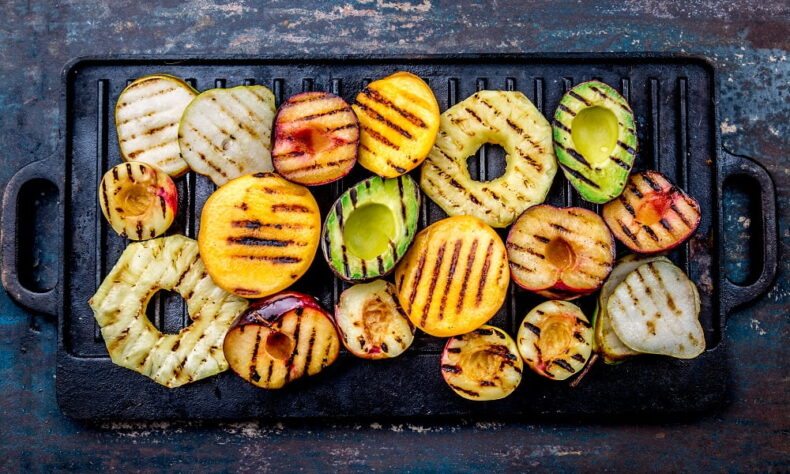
595,140
370,227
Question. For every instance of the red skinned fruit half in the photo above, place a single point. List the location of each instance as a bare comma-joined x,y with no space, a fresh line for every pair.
316,135
560,253
652,214
280,339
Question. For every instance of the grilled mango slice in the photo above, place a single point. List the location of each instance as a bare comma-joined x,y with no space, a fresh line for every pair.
226,133
259,234
166,263
399,118
146,117
454,277
507,119
482,365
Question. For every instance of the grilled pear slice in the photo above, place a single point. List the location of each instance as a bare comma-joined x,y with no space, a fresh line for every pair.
656,310
147,115
226,133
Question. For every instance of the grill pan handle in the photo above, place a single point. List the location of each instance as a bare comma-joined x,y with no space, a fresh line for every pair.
734,295
44,302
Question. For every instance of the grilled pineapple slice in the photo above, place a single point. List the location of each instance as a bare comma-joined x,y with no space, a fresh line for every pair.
399,118
167,263
147,115
226,133
507,119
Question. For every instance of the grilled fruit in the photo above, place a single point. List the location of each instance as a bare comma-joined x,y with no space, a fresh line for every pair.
555,339
147,115
606,341
316,135
226,133
595,140
560,253
280,339
167,263
454,278
656,309
139,200
482,365
370,227
371,322
399,117
652,214
259,234
507,119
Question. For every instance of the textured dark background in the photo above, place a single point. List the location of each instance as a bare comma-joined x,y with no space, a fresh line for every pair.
747,41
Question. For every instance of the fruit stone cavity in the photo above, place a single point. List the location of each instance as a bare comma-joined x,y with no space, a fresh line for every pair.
594,133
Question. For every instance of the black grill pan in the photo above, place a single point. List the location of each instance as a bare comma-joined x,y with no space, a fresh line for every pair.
674,99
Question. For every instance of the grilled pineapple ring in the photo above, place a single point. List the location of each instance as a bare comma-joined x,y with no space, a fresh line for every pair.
168,263
507,119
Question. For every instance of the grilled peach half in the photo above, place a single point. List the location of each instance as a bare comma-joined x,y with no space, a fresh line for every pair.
652,214
371,322
139,200
280,339
560,253
316,135
482,365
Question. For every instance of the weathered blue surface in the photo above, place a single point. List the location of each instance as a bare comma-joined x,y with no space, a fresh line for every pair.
747,41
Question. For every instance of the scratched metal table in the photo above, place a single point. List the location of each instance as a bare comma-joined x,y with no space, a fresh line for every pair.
747,42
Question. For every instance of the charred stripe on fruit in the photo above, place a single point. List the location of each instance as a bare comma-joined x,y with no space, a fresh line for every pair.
437,268
470,261
372,113
579,176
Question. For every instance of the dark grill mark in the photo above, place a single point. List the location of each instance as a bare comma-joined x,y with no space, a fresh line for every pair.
437,268
578,157
463,390
484,332
487,383
483,278
535,330
576,96
582,322
402,195
646,177
381,138
522,267
636,192
579,176
254,355
450,273
380,262
417,277
245,291
628,207
256,241
454,350
377,116
627,148
628,233
290,208
254,224
473,114
310,344
600,92
270,258
579,338
680,214
562,127
650,232
622,164
578,357
469,262
289,366
139,230
565,109
353,195
559,227
665,225
453,369
375,96
515,127
320,114
540,238
564,365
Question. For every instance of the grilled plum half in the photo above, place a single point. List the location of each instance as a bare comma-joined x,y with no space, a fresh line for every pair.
316,135
280,339
555,339
560,253
371,322
652,214
482,365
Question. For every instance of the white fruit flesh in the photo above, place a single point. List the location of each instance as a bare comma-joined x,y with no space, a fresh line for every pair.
371,322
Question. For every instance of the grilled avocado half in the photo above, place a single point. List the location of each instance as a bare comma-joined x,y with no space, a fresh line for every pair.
370,227
595,140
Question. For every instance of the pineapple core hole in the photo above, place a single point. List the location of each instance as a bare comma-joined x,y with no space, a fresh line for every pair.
481,365
368,231
135,199
560,254
556,334
312,139
495,158
279,346
594,133
375,319
653,208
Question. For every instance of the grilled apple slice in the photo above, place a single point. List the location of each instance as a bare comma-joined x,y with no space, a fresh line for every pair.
316,135
656,310
454,277
652,214
371,322
560,253
555,339
482,365
139,200
398,117
147,115
226,133
280,339
259,234
166,263
508,119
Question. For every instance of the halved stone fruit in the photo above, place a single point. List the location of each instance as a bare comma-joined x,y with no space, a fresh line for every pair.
398,117
482,365
652,214
146,117
370,227
316,135
555,339
560,253
280,339
595,140
371,322
454,277
139,200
